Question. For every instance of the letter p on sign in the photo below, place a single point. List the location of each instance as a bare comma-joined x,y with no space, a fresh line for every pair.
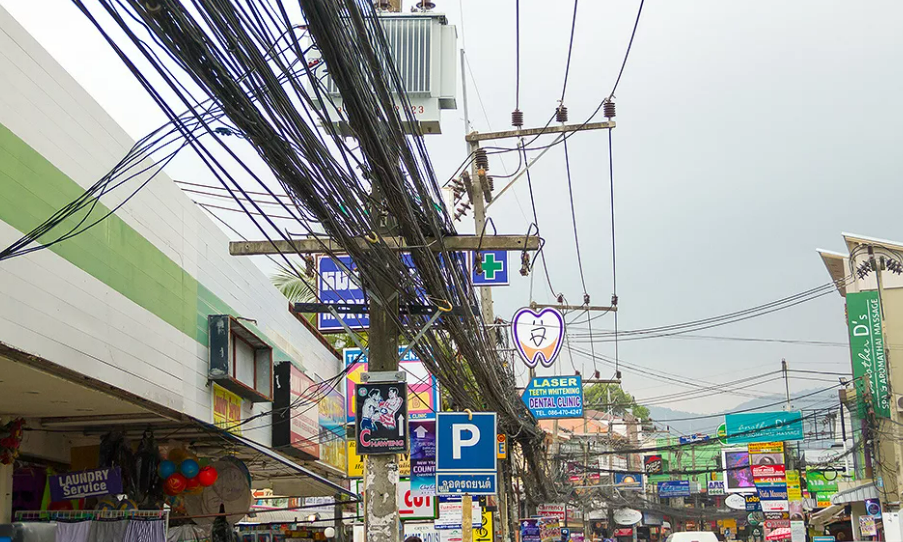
459,442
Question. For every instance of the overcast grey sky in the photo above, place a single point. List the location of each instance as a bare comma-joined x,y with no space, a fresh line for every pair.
749,133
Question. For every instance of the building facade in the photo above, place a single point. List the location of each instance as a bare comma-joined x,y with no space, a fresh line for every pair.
111,327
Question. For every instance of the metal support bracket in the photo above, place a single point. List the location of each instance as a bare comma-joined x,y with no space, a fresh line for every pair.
421,333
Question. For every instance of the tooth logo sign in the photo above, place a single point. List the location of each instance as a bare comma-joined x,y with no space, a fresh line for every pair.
538,336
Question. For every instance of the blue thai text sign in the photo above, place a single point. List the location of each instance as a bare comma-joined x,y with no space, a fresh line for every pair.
674,488
763,426
335,285
554,397
88,483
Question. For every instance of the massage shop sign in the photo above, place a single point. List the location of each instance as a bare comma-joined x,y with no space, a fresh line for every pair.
867,349
89,483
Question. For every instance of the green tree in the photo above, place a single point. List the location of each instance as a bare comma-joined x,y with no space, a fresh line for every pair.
598,396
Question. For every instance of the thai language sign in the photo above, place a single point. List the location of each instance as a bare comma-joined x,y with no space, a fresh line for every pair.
867,350
89,483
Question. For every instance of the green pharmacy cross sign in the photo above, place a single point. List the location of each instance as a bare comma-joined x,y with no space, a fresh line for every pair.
493,268
867,350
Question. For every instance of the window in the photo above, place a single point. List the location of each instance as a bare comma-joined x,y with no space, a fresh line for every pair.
240,360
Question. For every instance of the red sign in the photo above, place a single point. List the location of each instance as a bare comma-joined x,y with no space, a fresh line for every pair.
777,523
623,532
762,471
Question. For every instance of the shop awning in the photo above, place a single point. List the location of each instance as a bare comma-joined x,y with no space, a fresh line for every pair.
272,469
826,516
857,494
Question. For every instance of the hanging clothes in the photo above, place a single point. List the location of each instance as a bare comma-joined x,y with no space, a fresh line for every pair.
103,530
73,532
140,530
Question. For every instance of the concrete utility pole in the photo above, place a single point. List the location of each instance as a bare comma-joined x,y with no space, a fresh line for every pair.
478,197
787,406
888,447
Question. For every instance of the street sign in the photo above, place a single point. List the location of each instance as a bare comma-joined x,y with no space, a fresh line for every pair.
674,488
466,453
715,487
695,437
502,451
554,397
494,265
336,286
763,426
538,336
382,418
753,503
451,513
629,481
423,457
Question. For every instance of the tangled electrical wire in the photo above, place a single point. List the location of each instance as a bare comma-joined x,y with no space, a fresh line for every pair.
243,66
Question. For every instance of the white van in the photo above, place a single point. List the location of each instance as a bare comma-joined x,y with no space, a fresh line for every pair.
692,536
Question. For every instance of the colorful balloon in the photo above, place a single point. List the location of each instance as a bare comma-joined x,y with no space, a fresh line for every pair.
166,469
194,486
175,484
189,468
207,476
177,455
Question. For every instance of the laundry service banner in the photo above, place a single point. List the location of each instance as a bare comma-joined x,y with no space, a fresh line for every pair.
89,483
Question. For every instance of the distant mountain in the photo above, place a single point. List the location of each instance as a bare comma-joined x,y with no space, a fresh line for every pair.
693,422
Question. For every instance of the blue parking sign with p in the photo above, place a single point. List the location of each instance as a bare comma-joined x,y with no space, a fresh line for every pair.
494,264
466,453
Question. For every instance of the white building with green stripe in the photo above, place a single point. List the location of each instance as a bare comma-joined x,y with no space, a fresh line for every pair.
112,324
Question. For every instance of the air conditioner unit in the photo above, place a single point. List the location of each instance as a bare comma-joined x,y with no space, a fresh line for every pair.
424,48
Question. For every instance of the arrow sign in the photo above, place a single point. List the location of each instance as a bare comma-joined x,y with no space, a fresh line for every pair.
423,458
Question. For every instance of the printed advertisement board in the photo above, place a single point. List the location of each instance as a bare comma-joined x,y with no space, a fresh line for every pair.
867,349
763,426
226,410
737,476
331,413
296,416
554,397
674,488
382,419
89,483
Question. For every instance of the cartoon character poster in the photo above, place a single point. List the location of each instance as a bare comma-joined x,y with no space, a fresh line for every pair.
381,418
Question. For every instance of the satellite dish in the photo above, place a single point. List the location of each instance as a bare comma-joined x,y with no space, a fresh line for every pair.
628,516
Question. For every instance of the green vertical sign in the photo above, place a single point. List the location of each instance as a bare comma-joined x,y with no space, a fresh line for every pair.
867,350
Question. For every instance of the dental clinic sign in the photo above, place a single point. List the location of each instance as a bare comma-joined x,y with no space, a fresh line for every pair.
89,483
867,349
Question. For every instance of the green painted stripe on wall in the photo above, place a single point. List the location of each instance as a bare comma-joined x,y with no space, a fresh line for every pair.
112,251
